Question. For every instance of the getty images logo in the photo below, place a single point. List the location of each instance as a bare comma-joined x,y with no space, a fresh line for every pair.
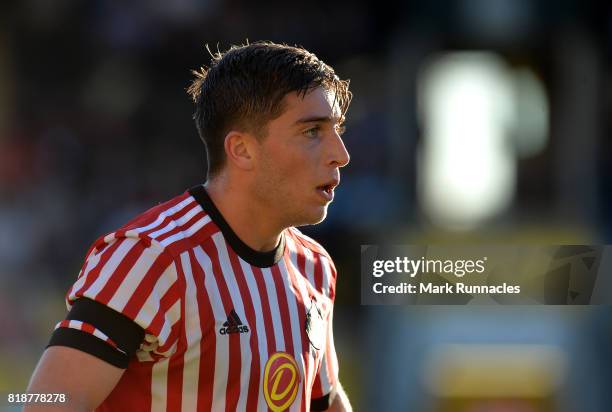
233,324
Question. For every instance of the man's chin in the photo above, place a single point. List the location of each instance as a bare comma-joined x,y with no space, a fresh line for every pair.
313,218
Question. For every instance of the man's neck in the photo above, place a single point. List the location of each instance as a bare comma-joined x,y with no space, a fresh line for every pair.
244,215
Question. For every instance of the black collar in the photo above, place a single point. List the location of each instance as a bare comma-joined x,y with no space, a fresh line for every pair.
252,256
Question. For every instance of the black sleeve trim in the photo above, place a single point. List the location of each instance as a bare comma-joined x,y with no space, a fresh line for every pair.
123,331
88,343
320,404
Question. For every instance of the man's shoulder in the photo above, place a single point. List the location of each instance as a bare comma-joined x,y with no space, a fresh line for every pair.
323,278
171,226
309,243
169,210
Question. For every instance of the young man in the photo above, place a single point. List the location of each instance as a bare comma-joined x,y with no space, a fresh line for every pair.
213,300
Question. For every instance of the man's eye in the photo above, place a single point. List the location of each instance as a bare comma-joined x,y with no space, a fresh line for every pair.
312,132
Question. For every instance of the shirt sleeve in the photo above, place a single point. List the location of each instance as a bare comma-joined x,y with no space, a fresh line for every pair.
137,279
327,375
82,330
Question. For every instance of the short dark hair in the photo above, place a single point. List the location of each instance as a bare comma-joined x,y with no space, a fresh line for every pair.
244,89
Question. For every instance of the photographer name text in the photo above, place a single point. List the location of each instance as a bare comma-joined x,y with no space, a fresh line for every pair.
457,267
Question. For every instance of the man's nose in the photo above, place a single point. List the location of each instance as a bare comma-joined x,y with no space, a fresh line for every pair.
339,155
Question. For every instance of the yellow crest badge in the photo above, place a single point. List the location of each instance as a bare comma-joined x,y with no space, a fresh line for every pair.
281,381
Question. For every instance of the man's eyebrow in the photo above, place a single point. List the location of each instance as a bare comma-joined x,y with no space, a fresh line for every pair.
315,119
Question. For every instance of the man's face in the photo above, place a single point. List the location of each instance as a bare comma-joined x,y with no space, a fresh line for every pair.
299,159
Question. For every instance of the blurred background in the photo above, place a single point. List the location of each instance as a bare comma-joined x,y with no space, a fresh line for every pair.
484,121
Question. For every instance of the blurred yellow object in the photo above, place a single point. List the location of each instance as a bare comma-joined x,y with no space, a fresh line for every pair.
494,378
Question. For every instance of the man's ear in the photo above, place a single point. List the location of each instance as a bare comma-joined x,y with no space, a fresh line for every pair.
239,149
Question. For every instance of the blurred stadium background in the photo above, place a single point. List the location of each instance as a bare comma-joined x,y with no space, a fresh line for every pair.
473,120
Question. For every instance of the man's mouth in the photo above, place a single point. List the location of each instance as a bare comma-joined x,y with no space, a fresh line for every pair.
327,190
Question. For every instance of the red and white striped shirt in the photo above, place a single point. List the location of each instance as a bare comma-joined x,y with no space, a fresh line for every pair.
226,328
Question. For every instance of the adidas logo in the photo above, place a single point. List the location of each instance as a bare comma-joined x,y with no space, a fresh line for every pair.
233,324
